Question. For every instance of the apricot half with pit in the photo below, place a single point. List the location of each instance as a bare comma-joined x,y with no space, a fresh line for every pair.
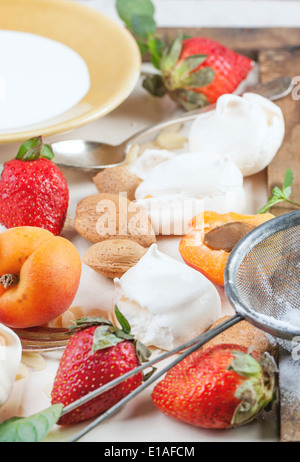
212,236
39,276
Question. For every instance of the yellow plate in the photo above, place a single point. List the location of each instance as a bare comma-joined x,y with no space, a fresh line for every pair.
110,52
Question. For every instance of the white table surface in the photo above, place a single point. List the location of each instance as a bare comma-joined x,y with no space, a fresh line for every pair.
139,420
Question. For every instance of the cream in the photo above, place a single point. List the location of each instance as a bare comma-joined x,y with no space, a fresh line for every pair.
248,129
10,358
166,302
149,159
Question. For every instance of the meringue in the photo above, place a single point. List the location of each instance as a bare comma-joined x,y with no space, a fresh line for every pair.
180,188
10,359
149,159
166,302
248,129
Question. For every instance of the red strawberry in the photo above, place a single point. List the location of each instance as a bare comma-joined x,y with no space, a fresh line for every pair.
33,191
93,357
196,71
218,387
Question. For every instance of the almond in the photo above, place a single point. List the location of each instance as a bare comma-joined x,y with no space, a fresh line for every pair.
115,180
113,258
109,216
244,334
170,141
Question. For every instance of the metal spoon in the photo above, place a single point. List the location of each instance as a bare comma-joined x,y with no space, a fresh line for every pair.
93,155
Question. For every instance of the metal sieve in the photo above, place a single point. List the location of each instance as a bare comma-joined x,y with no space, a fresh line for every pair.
262,276
262,281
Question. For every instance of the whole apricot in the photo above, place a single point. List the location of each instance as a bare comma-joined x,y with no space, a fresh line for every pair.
39,275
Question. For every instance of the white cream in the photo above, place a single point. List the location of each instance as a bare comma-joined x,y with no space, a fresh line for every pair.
149,159
190,183
249,129
166,302
10,358
40,79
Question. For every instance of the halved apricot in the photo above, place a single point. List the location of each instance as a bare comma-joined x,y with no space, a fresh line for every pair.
206,246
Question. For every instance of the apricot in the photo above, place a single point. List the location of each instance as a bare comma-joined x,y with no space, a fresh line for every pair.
208,260
45,271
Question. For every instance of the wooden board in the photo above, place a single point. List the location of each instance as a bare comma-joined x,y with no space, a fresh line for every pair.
277,51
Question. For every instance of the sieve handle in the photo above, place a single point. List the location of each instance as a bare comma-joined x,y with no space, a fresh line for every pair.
196,344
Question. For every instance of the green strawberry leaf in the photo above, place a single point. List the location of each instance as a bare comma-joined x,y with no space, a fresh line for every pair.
128,8
30,429
30,149
88,321
104,338
190,64
47,152
200,78
33,149
172,54
122,321
244,364
143,26
143,353
154,84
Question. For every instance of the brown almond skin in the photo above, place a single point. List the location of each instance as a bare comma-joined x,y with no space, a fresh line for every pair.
113,258
244,334
115,180
111,210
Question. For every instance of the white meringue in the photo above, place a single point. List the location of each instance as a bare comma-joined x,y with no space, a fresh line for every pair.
249,129
166,302
10,358
149,159
190,183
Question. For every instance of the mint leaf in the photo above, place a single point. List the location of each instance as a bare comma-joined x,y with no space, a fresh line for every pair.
143,26
30,429
279,195
288,178
128,8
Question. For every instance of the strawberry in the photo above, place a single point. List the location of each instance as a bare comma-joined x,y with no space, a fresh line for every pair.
33,191
98,353
218,387
196,71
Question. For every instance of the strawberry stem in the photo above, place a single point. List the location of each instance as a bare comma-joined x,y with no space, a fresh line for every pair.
8,280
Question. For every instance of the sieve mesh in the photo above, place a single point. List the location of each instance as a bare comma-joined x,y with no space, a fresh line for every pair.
263,275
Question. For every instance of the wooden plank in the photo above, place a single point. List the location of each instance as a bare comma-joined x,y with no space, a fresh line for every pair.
251,39
275,63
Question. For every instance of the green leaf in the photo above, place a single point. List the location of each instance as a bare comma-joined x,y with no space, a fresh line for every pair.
30,149
47,152
144,48
172,54
122,321
200,78
104,338
30,429
155,85
155,47
143,26
128,8
190,64
288,178
87,321
277,192
143,352
244,364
